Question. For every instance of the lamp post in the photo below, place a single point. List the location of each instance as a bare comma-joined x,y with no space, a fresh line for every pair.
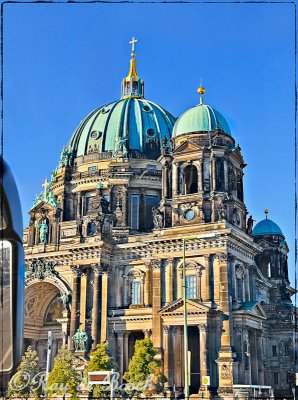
186,365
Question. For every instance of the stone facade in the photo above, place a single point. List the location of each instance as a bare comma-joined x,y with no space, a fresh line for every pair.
104,251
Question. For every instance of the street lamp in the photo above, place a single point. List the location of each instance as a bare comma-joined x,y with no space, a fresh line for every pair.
186,365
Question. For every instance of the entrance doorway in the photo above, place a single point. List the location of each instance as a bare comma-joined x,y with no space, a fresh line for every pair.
194,348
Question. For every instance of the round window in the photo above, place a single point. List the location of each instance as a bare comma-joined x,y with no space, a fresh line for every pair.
104,110
150,132
95,135
146,108
189,214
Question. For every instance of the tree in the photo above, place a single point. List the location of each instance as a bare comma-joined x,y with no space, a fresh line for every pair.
144,370
27,381
101,361
64,378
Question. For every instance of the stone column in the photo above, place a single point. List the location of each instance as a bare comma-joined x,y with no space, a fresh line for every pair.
95,309
120,345
177,358
148,279
203,354
175,179
125,205
260,359
213,174
75,302
226,175
247,357
125,351
79,206
208,259
167,364
179,282
104,305
247,287
169,281
225,360
83,302
164,188
201,175
156,303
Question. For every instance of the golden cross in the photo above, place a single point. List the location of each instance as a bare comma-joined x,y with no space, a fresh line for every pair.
132,42
45,185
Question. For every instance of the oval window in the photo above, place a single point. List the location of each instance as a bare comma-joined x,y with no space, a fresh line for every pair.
147,108
151,132
95,135
189,214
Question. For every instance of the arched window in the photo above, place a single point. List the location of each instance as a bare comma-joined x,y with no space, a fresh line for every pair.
240,282
190,179
265,266
136,288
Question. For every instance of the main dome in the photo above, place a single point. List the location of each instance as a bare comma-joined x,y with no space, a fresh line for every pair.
201,118
129,126
139,122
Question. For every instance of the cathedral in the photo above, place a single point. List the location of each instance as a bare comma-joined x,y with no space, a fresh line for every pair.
136,196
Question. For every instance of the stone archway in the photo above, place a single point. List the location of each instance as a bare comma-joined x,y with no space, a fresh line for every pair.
45,310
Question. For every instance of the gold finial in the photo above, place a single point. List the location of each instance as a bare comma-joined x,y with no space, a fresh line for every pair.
45,185
266,212
201,91
132,42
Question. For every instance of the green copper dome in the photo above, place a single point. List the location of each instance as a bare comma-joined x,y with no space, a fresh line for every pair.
267,227
133,122
201,118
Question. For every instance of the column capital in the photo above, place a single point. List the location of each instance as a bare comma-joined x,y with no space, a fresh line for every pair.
202,328
166,329
155,264
96,268
76,270
147,332
208,257
222,257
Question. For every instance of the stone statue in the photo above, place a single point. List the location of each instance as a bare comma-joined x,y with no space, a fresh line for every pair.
80,227
53,176
65,297
80,339
65,157
250,223
43,231
157,218
222,211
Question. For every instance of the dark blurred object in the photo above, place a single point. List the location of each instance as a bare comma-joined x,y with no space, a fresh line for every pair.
11,276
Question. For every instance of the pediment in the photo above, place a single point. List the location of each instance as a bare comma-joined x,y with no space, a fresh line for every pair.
265,244
187,147
43,205
177,307
253,308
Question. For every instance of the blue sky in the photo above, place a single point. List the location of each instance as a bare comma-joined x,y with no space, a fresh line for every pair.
63,60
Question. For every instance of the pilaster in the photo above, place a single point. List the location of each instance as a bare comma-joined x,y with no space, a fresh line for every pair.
156,303
75,302
95,310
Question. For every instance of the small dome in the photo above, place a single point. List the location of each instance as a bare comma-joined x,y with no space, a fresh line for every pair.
267,227
139,123
201,118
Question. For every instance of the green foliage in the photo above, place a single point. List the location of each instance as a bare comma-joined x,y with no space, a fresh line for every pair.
144,370
64,378
101,361
26,382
